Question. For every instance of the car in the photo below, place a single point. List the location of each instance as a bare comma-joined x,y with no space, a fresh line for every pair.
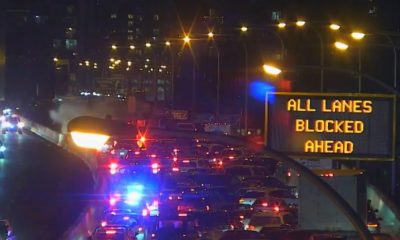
12,124
115,233
241,235
271,220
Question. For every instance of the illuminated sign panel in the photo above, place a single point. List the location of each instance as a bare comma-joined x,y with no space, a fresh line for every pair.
338,126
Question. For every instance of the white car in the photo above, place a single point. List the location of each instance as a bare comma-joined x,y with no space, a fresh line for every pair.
269,220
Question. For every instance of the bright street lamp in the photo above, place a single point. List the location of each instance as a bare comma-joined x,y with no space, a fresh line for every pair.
114,47
334,27
300,23
167,43
132,47
148,44
281,25
55,59
271,70
186,39
341,45
210,35
243,29
357,35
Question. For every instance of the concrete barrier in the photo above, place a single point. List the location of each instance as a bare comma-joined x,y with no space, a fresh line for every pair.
82,228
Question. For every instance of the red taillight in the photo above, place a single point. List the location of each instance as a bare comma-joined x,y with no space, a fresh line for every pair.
264,204
175,159
220,163
276,209
251,227
111,232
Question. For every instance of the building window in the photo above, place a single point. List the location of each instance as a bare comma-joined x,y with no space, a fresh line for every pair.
56,43
156,17
130,23
130,16
113,16
71,44
130,31
130,38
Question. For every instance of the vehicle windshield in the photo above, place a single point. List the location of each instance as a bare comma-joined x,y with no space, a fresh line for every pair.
264,220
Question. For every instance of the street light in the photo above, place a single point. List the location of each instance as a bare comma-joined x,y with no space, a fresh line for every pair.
357,35
341,45
334,27
132,47
300,23
167,43
55,59
148,45
114,47
186,39
271,70
243,29
210,35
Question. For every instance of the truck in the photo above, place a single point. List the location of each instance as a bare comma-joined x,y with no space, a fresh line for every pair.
317,211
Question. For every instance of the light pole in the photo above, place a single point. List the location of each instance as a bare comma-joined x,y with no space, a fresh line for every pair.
217,108
186,41
243,30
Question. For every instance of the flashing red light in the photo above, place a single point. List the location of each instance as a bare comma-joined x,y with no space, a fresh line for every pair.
113,165
140,229
276,209
137,153
155,203
220,163
170,198
103,224
155,166
182,214
153,155
142,139
175,169
112,152
145,212
111,232
175,159
186,161
289,174
264,204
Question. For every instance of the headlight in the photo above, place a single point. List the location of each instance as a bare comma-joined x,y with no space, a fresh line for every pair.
20,125
6,125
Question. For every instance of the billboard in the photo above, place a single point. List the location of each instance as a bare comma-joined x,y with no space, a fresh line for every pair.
331,125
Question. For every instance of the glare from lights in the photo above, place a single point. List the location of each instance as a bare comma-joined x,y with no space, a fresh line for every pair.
132,47
148,44
55,59
167,43
89,140
281,25
186,39
87,63
129,63
112,59
341,45
271,70
334,27
357,35
243,29
114,47
300,23
210,34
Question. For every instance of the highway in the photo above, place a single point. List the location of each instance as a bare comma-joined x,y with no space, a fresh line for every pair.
43,189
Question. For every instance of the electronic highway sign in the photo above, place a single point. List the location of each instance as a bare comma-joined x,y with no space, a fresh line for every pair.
336,126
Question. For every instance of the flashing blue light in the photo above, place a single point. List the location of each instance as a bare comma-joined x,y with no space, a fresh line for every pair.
134,195
2,148
259,89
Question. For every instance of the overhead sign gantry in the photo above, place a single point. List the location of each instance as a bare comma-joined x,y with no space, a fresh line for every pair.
331,125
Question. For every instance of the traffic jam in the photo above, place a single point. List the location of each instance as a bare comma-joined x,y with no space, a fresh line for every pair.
192,189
